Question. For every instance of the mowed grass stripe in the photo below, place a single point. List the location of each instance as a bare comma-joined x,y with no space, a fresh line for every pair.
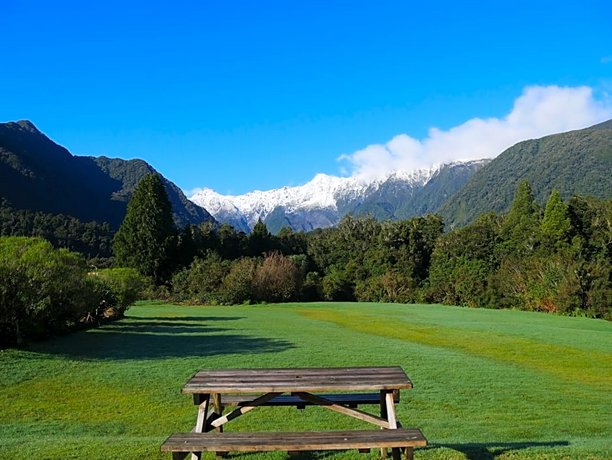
566,362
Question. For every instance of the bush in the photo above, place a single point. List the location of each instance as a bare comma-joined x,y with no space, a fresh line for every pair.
277,279
126,286
42,289
549,284
237,286
389,287
201,282
336,286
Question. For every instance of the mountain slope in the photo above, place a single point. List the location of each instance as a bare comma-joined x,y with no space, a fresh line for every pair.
38,174
323,201
576,162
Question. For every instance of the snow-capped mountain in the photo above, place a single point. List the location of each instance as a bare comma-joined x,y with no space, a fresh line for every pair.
324,200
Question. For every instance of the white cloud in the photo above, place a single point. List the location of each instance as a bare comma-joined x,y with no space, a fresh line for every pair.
537,112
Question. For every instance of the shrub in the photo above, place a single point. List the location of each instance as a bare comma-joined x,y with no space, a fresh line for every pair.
389,287
126,286
237,286
42,289
337,286
277,279
201,282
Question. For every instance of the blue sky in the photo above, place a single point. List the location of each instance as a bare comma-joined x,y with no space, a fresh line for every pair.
243,95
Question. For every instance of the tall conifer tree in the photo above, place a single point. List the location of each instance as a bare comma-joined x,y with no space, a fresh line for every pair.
146,237
522,223
556,222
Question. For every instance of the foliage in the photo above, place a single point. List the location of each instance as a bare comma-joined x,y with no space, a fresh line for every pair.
520,228
203,279
238,286
388,287
260,240
556,222
277,279
555,261
462,262
89,238
42,289
125,284
575,163
146,239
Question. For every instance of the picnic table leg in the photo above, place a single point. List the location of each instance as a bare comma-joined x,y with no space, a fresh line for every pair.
203,402
409,453
383,414
390,405
218,406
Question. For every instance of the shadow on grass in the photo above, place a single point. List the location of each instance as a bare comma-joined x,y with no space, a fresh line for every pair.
492,450
183,318
155,338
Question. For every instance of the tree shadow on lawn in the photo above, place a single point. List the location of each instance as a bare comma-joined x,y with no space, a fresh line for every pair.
182,318
156,338
492,450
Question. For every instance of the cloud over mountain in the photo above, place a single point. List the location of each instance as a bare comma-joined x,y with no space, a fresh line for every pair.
537,112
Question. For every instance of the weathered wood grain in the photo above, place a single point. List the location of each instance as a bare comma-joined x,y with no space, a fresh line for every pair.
293,441
287,380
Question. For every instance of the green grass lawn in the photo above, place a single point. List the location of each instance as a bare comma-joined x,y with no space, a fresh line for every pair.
488,384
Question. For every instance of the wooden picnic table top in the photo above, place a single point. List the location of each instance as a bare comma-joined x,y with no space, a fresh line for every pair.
224,381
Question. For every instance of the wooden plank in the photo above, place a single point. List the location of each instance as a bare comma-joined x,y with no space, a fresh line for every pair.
309,370
302,373
288,380
294,441
356,413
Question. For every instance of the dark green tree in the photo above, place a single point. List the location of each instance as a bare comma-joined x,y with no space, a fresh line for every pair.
231,243
556,222
147,237
521,226
261,241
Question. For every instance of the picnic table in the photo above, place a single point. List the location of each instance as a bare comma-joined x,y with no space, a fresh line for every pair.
340,389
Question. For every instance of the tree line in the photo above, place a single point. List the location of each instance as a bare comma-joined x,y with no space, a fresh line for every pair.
555,258
92,239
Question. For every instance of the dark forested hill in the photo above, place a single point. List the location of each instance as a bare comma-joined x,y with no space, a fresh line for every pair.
39,175
577,162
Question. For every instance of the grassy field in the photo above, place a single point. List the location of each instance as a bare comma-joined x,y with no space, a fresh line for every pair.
488,384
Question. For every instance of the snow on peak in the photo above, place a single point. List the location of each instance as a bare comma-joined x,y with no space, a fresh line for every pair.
322,192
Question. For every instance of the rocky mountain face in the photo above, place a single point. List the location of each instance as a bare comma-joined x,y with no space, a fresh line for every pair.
323,201
39,175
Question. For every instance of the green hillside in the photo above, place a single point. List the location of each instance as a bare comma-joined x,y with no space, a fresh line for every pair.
576,162
36,174
489,384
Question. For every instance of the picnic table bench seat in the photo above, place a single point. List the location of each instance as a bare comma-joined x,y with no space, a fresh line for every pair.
181,444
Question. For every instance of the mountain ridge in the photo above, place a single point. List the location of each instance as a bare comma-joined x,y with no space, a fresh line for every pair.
324,200
574,162
38,174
